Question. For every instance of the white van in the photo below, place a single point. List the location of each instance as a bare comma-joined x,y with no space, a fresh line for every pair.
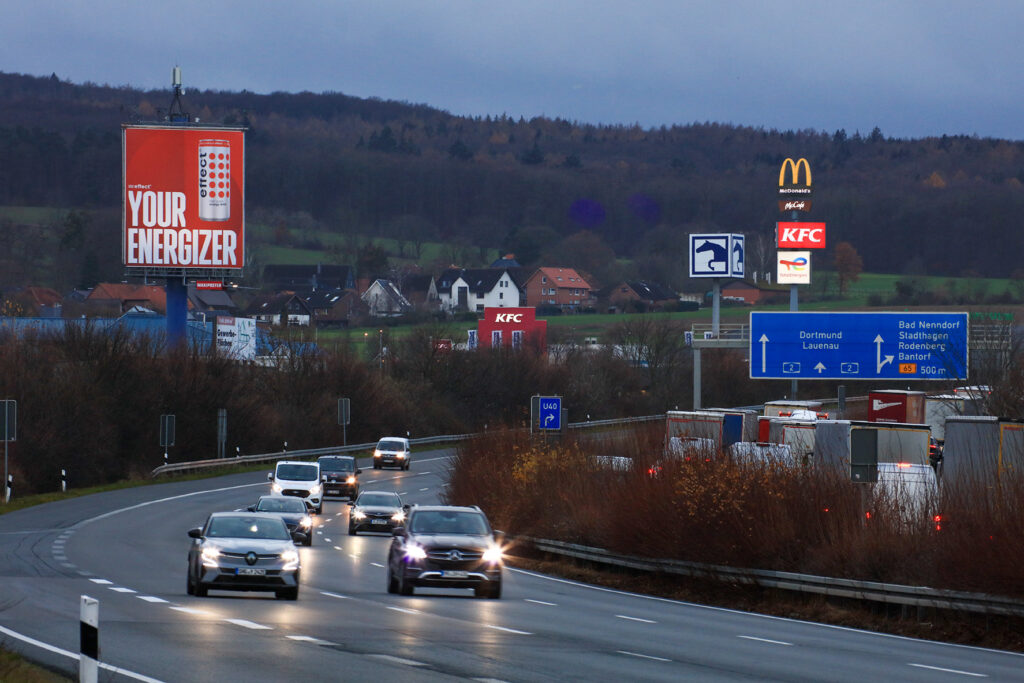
909,490
299,479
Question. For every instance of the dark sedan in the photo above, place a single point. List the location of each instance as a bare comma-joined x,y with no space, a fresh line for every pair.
243,551
291,510
376,511
340,475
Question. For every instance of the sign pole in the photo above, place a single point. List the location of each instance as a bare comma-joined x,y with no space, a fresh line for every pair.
716,299
794,305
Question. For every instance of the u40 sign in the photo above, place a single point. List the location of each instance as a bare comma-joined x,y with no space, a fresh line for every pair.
851,346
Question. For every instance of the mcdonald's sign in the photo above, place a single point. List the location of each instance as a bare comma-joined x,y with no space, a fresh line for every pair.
793,194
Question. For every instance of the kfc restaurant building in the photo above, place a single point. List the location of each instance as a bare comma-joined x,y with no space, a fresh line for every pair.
510,327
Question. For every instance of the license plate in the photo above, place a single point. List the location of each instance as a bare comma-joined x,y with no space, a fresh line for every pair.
455,575
378,521
251,571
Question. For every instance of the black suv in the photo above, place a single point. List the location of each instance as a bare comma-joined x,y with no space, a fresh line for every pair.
340,475
444,546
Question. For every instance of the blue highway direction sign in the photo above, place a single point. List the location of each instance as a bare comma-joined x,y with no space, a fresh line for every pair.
902,346
550,414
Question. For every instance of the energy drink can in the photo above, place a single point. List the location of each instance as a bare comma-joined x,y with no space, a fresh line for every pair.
214,180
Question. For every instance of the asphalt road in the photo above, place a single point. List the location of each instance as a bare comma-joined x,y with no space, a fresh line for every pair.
128,549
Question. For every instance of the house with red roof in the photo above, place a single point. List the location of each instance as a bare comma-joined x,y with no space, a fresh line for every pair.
561,287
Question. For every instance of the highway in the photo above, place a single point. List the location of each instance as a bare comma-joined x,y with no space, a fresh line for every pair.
128,548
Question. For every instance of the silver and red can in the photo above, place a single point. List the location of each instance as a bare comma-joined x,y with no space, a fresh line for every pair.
214,180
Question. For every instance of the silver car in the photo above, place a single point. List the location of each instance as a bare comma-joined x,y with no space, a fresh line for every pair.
244,551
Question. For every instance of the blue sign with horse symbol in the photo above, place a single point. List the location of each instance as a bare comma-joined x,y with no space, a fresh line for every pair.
716,255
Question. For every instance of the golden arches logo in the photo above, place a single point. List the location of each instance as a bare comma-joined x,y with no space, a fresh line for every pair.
794,168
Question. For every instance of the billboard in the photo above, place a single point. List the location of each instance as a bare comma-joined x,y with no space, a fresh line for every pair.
793,235
794,268
511,327
795,195
183,198
236,337
716,255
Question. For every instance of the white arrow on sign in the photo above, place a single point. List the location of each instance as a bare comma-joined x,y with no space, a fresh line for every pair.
548,418
819,367
878,354
764,342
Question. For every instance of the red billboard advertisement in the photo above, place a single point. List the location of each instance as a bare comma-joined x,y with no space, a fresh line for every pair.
513,327
183,198
796,235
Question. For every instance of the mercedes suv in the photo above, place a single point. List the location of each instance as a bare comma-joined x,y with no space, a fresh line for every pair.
444,546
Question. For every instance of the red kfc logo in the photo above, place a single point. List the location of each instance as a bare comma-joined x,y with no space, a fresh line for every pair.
800,235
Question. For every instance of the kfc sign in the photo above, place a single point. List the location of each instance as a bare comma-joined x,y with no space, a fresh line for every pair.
800,235
183,198
512,327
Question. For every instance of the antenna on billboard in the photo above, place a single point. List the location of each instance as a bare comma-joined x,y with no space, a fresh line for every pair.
179,116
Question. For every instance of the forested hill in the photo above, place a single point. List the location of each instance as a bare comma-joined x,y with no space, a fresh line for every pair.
942,206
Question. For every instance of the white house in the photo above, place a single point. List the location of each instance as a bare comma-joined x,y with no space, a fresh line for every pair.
384,299
464,289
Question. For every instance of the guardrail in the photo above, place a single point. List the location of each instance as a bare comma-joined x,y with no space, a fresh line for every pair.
917,596
215,463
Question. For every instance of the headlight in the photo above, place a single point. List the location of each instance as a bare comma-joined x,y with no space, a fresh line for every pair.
398,516
315,491
306,522
376,454
291,560
210,556
399,455
493,555
358,514
350,480
276,488
414,551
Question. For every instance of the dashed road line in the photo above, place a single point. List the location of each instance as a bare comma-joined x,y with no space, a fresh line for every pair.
766,640
102,582
642,656
150,598
310,639
120,589
334,595
645,621
190,610
377,564
949,671
405,610
508,630
245,623
398,660
541,602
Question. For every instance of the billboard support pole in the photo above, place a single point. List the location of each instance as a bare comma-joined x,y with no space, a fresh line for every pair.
794,305
716,300
177,310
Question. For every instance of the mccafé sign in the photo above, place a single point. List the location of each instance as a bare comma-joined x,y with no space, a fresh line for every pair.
511,327
795,235
794,191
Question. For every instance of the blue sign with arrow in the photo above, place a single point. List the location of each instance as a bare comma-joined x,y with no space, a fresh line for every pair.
549,416
901,346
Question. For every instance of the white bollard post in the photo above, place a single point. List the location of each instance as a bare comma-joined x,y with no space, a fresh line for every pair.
89,640
63,481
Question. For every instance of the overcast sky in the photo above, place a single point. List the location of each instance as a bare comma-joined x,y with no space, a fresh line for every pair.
913,69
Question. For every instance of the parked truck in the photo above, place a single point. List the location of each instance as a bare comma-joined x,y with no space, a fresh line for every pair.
982,448
895,405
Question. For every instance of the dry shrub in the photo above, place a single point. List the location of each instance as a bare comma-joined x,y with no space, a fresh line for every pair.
710,509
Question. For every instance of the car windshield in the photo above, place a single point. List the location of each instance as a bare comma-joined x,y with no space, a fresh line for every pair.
280,504
449,522
381,499
298,472
337,464
247,527
390,445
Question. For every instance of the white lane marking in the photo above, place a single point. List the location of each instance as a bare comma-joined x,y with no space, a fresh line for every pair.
353,556
102,582
320,532
489,680
67,564
60,541
120,589
508,630
160,500
402,493
398,660
646,621
327,540
310,639
337,547
338,515
949,671
406,610
190,610
751,614
75,656
426,489
377,564
334,595
150,598
765,640
637,654
249,624
541,602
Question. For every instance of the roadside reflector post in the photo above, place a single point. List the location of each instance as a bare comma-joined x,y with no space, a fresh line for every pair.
64,480
89,647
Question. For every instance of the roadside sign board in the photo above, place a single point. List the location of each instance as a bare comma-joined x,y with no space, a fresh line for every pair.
9,420
548,413
344,411
794,268
795,235
717,255
167,430
858,346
